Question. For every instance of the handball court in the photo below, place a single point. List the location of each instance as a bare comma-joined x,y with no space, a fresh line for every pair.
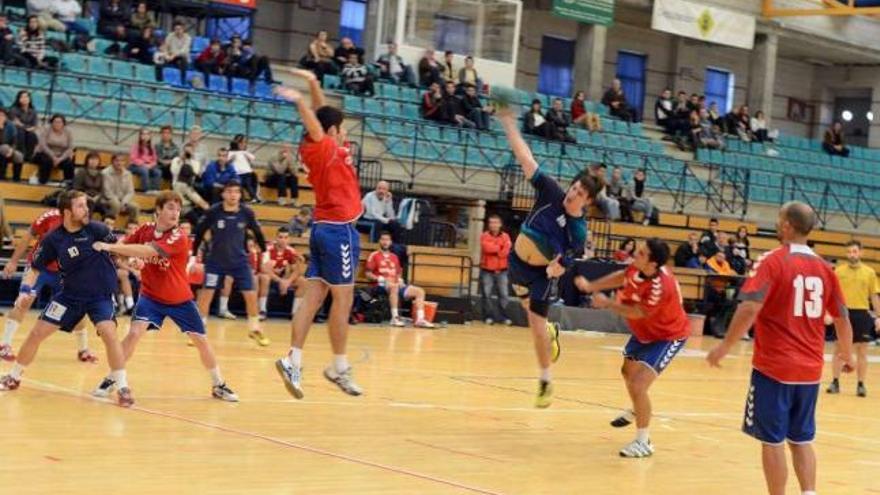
445,411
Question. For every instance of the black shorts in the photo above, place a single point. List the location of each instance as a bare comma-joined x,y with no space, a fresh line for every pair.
863,326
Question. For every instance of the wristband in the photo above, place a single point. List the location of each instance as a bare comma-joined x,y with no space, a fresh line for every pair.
566,261
381,281
26,290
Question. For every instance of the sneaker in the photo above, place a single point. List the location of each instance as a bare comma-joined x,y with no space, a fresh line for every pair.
861,391
259,338
282,201
834,388
424,324
124,398
105,388
344,380
489,321
227,314
263,316
508,322
623,420
545,395
86,356
397,322
9,383
223,392
6,353
553,332
292,378
637,449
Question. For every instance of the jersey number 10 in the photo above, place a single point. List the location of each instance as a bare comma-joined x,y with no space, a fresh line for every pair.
812,304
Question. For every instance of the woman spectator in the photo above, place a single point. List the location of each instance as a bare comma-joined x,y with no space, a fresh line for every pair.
738,254
626,252
186,157
758,125
33,44
8,151
319,59
282,175
142,18
166,151
142,47
580,116
143,162
54,150
243,162
90,181
25,118
535,123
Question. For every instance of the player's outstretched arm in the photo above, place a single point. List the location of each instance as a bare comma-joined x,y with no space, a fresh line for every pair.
631,311
610,281
309,119
518,145
315,89
20,247
742,321
129,250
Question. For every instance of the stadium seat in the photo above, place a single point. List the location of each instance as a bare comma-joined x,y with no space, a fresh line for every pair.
199,43
171,76
263,89
216,83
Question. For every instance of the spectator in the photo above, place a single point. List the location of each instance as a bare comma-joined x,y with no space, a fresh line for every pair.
44,12
142,18
474,108
90,180
640,201
68,12
319,58
707,135
25,119
758,125
535,123
379,210
616,102
200,151
448,72
626,252
429,70
243,162
718,265
664,111
739,124
212,60
250,65
385,272
694,103
216,175
681,113
432,103
453,110
617,189
559,122
8,151
833,143
118,190
715,116
709,240
392,66
120,38
33,45
495,247
143,162
142,47
693,140
301,222
174,51
468,75
282,175
345,50
54,150
113,13
356,78
166,151
10,54
580,116
193,205
739,256
688,254
609,206
185,158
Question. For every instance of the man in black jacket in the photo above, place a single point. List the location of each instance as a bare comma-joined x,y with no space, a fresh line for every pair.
709,240
474,108
452,108
559,121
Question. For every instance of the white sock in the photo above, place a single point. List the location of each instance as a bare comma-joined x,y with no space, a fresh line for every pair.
216,377
809,492
297,302
254,323
205,320
642,435
16,371
294,358
224,304
629,415
129,302
545,375
120,299
420,314
341,362
9,331
120,378
82,340
394,313
263,301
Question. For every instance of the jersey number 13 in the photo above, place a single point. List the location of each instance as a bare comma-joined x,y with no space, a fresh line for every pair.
808,296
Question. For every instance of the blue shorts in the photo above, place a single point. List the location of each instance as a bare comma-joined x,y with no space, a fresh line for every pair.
52,280
241,274
67,312
383,291
185,315
776,412
656,355
530,281
334,252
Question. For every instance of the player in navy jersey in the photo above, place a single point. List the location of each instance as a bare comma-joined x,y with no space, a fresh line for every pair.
229,221
88,283
551,238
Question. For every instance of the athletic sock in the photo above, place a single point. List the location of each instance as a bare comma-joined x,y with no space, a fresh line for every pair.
420,314
16,371
341,362
629,416
642,435
809,492
545,375
216,377
394,313
120,378
82,340
224,304
263,301
297,302
129,302
9,330
293,358
254,323
204,320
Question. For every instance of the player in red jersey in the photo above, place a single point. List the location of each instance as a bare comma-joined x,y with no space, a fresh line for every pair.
384,271
650,300
786,296
280,265
334,244
31,286
165,290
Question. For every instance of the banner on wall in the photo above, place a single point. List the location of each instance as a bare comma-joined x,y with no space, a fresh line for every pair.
587,11
251,4
705,23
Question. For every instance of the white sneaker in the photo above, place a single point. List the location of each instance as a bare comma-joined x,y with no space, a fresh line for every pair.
292,377
489,321
282,201
637,449
424,324
397,322
344,380
223,392
227,314
107,386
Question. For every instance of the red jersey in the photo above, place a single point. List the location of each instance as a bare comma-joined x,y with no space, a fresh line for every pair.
280,258
45,223
334,179
164,278
797,287
384,264
659,298
254,261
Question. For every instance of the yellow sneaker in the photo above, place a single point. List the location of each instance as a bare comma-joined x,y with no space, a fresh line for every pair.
545,395
259,338
553,333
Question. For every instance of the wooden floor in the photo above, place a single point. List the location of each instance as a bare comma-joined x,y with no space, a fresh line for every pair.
445,412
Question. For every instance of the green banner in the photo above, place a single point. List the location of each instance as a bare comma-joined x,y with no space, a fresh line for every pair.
588,11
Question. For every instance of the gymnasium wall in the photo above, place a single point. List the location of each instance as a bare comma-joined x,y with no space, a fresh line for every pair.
284,28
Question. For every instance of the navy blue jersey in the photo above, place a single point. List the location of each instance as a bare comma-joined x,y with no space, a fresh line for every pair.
549,226
86,274
228,245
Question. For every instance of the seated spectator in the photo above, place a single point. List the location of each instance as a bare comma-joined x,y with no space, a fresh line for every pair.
833,143
118,192
142,18
688,254
142,48
715,116
166,151
216,175
379,210
663,110
319,58
120,38
616,102
758,125
392,67
112,13
186,157
707,134
282,175
739,124
681,114
626,252
301,223
693,139
495,246
468,75
559,122
735,257
709,240
447,71
54,150
609,206
535,123
429,70
385,274
718,265
432,103
617,189
694,102
33,45
248,64
279,266
199,150
453,110
143,162
25,118
640,201
10,53
356,78
193,205
90,180
741,249
474,109
345,50
580,116
174,51
212,60
243,161
8,151
44,12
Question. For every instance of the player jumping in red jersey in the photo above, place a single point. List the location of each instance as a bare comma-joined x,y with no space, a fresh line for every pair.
786,297
650,300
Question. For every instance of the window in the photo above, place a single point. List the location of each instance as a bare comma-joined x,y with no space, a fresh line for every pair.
555,73
719,89
453,33
352,18
225,27
631,72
